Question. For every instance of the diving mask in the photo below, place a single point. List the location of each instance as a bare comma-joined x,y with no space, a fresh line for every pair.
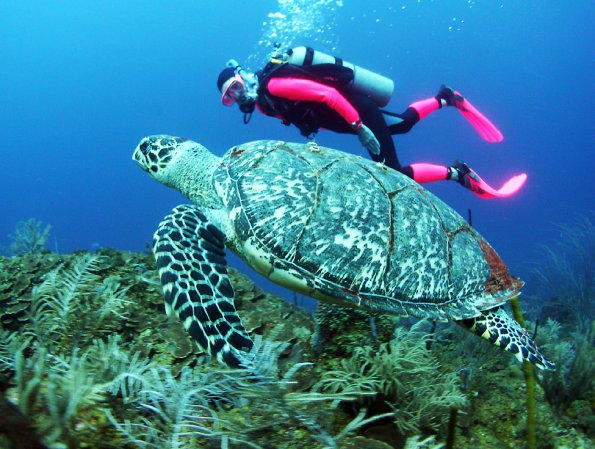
233,90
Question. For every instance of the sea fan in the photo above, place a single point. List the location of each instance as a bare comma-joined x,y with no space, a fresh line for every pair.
178,413
74,305
29,237
404,372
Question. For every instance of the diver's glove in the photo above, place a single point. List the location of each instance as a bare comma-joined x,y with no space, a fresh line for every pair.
366,137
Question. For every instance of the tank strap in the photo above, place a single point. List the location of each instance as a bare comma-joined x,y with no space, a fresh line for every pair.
309,58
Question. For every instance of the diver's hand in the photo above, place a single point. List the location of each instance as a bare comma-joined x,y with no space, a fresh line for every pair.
368,140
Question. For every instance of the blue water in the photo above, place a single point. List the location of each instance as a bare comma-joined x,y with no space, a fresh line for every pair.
81,82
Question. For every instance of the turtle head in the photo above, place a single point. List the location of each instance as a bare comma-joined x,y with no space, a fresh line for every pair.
154,153
179,163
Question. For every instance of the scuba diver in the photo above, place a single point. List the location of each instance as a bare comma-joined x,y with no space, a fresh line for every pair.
313,90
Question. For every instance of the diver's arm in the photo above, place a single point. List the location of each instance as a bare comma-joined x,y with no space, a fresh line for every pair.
305,90
299,89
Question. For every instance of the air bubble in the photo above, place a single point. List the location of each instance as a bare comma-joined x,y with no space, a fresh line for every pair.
295,22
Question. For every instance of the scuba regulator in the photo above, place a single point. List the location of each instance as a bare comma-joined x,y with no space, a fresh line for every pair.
248,101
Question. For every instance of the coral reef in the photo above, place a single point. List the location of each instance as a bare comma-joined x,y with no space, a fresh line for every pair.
17,277
565,273
402,373
565,285
91,361
570,389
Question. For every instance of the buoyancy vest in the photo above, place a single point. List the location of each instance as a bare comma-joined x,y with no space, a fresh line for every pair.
307,116
307,63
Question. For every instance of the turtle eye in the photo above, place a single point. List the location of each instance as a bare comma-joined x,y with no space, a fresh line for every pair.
164,152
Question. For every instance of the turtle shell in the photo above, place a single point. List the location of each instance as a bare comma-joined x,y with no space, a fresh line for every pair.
343,228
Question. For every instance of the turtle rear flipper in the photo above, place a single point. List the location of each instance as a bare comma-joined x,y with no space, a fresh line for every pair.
190,256
496,326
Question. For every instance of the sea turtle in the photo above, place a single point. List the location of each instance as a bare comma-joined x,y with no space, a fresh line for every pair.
324,223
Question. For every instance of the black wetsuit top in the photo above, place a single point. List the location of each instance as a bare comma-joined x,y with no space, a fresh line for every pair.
310,116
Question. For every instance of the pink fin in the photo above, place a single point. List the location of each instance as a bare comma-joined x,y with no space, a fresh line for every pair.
483,190
486,129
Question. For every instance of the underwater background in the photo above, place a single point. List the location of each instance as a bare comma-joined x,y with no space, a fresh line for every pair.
82,82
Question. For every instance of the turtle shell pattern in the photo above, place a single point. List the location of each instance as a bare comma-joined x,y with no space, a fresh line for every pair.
356,231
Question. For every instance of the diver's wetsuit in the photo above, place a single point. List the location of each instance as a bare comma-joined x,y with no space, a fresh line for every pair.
378,122
310,105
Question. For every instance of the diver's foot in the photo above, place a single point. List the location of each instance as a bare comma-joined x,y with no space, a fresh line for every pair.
461,173
448,97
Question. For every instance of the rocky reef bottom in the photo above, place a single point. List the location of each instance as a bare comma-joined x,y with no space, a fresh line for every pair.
88,359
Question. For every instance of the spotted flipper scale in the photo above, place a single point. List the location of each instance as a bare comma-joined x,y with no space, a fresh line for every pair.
499,328
191,261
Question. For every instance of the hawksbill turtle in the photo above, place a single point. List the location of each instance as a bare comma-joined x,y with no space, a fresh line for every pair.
326,224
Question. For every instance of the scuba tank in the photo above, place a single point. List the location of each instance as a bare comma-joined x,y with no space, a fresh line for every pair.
379,88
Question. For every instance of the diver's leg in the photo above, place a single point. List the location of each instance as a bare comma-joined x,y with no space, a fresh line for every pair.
446,97
402,123
424,172
383,124
418,110
459,172
468,178
372,117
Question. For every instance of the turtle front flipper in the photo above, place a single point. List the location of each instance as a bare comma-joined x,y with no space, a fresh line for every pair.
496,326
190,256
